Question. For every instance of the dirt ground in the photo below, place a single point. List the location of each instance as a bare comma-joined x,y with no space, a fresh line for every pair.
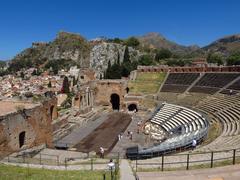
106,134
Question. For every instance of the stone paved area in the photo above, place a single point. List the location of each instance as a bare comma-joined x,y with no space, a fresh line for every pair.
78,134
220,173
138,139
106,134
126,171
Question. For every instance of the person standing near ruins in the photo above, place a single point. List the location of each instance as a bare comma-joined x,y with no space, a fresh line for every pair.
194,144
131,135
101,152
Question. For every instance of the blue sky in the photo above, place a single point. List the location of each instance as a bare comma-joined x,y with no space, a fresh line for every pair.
183,21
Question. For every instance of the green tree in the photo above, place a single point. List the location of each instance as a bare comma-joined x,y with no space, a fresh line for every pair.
146,60
132,41
234,58
215,58
178,62
49,84
34,73
117,40
2,64
108,71
65,85
115,72
22,75
126,57
163,54
118,58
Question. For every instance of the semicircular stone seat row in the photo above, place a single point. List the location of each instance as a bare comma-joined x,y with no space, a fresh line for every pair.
226,109
172,117
208,83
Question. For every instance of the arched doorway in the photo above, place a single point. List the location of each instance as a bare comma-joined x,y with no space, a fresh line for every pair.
132,107
115,100
22,138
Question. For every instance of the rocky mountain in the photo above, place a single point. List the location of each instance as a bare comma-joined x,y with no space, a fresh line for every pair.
104,52
73,47
155,40
225,45
96,54
67,46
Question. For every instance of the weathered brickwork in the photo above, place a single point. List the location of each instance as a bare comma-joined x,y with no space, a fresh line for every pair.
27,126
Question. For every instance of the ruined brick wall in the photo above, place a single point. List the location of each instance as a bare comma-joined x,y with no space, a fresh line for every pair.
105,88
35,122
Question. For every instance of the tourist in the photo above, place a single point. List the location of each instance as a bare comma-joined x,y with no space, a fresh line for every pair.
194,144
111,165
119,137
131,135
101,152
128,134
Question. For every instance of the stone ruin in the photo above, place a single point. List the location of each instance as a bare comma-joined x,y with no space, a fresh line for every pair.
26,124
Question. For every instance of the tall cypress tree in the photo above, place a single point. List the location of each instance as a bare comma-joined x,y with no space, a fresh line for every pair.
108,71
65,85
126,58
118,58
126,66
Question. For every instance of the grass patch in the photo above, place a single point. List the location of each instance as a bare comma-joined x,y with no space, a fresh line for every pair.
146,83
149,103
15,172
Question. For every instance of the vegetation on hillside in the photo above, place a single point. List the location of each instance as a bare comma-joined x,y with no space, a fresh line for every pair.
2,66
118,70
59,64
234,58
215,58
66,46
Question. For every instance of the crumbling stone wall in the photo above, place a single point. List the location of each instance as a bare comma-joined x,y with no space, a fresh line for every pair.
105,88
35,122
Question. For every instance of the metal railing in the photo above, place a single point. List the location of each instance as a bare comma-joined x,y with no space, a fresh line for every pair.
189,160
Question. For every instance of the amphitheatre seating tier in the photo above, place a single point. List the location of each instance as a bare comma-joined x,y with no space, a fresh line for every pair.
212,82
228,92
174,118
206,90
173,88
221,143
179,82
226,110
235,86
181,78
